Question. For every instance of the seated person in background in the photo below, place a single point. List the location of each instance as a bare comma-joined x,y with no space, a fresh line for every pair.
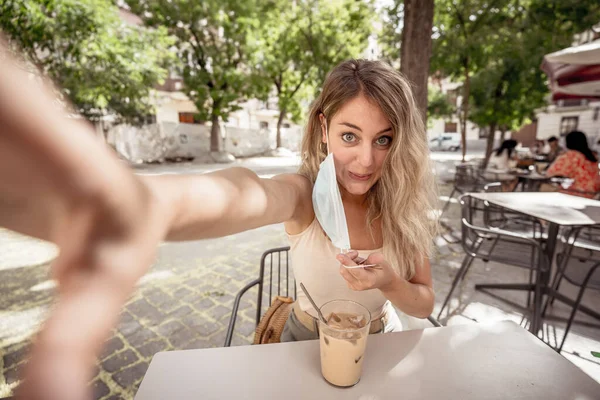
500,157
555,148
500,162
538,147
579,164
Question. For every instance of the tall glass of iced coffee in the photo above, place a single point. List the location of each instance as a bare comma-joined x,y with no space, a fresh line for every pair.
343,341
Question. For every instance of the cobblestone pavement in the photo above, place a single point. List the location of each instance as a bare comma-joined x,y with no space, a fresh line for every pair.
185,300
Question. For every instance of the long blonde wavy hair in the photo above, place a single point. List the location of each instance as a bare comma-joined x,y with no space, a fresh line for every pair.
404,196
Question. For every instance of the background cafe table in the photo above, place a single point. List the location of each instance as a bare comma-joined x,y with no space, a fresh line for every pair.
467,362
528,180
558,209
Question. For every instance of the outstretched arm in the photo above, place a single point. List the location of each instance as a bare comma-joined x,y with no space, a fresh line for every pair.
228,201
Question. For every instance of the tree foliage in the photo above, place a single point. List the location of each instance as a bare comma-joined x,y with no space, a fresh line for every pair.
298,43
102,64
512,86
438,105
214,47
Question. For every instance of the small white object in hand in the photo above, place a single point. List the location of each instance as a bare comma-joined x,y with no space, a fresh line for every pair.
359,266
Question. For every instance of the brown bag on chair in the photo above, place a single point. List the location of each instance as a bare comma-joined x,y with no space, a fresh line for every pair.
271,324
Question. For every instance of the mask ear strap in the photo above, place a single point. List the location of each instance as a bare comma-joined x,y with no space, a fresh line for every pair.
327,137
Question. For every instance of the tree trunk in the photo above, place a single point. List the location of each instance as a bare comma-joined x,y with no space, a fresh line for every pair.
490,143
279,123
415,51
503,133
215,133
465,109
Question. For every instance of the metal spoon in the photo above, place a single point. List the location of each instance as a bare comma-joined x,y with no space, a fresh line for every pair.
313,303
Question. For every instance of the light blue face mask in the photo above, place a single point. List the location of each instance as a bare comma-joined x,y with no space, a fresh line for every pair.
327,203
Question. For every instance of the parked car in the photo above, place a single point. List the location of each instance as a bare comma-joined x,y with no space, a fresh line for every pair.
445,142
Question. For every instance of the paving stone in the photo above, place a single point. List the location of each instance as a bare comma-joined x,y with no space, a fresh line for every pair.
169,328
198,343
232,287
249,313
128,324
119,360
151,348
192,298
245,328
127,377
158,297
218,339
226,299
113,345
241,276
140,337
206,288
203,304
238,340
182,337
195,283
219,311
100,389
16,356
182,293
181,312
145,311
12,375
201,325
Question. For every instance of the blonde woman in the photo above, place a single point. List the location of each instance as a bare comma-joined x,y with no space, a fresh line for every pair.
367,118
109,222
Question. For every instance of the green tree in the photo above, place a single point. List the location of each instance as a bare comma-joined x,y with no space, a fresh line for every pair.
341,29
462,43
512,86
299,42
390,33
438,105
102,64
214,46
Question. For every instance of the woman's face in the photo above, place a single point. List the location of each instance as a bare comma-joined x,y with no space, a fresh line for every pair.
360,137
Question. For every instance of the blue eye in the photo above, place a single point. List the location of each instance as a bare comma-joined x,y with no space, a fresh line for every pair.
384,141
348,137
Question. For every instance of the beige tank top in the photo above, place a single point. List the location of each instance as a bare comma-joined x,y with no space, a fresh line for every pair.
314,264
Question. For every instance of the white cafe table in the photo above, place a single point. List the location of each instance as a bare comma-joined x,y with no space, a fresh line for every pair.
558,209
475,361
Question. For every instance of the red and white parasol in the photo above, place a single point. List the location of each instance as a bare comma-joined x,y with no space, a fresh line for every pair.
574,72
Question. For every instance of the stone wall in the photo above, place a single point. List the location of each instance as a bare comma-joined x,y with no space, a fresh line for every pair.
164,140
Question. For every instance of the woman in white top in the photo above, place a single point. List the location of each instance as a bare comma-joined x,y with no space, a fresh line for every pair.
108,222
499,160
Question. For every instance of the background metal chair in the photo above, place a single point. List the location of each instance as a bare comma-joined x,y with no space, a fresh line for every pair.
275,279
492,243
578,264
467,179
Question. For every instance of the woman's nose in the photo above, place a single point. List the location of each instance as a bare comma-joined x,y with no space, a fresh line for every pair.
365,157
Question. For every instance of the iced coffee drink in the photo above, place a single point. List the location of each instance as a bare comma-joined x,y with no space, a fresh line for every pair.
343,341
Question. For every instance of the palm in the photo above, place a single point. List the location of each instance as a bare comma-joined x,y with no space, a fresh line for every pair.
105,248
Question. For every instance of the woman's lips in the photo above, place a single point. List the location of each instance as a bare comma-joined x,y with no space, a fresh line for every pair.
360,177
